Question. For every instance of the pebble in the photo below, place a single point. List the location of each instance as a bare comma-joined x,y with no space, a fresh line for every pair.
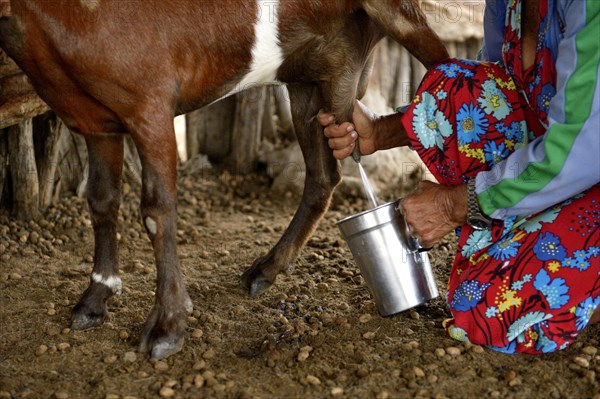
440,352
161,366
477,349
61,394
197,333
312,380
419,373
337,391
63,346
364,318
453,351
589,350
369,335
581,361
166,392
110,359
123,334
414,315
383,395
303,355
15,276
198,381
41,350
129,357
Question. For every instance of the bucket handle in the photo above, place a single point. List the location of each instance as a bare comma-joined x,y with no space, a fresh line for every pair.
409,233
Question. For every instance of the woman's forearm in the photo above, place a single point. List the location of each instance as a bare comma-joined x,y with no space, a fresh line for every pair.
389,132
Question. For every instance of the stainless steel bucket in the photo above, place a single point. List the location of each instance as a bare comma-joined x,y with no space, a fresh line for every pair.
396,269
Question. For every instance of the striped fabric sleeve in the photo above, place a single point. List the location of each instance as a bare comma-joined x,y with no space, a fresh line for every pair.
566,160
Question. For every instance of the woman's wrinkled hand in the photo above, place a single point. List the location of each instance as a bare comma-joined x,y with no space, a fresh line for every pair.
433,211
343,137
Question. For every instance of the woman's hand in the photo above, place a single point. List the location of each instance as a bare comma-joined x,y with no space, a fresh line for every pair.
433,211
342,138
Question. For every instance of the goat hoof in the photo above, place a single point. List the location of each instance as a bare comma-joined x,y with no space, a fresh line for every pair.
84,318
163,333
255,281
163,348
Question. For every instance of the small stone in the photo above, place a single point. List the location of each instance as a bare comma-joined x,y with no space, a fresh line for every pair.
51,312
432,378
312,380
63,346
383,395
199,381
161,366
453,351
369,335
477,349
170,383
589,350
337,391
166,392
511,375
110,359
61,394
197,333
123,334
419,373
581,361
303,355
111,396
199,365
440,352
209,354
41,350
15,276
129,357
414,315
364,318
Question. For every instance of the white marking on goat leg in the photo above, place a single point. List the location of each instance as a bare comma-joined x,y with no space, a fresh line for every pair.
267,55
112,282
151,225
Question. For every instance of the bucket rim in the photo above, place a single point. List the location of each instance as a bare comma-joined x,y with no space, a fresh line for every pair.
366,212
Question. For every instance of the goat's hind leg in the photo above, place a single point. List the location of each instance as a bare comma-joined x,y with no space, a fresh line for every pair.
322,175
104,198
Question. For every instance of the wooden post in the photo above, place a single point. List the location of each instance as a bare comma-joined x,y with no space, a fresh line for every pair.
48,130
3,166
23,170
208,130
247,126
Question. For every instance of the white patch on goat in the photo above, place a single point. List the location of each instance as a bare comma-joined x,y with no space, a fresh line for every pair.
112,282
151,225
90,4
267,55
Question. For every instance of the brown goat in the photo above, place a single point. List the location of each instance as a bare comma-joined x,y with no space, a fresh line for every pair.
109,67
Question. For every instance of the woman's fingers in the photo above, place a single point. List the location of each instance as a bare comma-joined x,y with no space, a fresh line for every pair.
344,152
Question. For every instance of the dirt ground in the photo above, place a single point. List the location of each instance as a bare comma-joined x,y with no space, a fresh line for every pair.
315,334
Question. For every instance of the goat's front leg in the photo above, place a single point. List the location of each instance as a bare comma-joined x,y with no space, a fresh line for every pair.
104,197
322,175
163,333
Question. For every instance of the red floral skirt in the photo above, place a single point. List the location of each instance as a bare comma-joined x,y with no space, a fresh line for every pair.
529,284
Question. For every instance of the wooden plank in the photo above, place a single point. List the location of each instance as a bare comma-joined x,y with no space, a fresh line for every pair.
48,130
247,127
3,165
23,170
15,110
